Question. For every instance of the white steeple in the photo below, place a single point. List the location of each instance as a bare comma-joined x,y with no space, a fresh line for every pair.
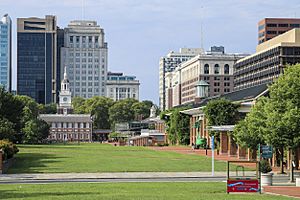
65,93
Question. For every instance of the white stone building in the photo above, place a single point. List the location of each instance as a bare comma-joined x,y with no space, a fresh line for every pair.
169,63
85,55
120,87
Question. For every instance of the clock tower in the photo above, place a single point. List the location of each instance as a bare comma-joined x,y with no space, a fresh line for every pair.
65,101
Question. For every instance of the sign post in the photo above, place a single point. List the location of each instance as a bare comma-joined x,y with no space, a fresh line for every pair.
212,155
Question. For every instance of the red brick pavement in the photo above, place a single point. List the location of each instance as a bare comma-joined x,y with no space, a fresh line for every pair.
292,191
284,190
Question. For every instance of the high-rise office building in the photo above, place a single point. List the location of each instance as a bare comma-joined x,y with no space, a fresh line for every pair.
36,58
269,61
60,44
168,64
5,52
271,27
121,87
85,56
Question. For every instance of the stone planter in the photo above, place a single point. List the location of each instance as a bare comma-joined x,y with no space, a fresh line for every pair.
266,179
298,182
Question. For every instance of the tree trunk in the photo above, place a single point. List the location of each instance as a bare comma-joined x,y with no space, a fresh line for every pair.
292,152
281,151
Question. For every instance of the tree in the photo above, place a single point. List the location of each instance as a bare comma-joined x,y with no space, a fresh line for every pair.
250,131
220,112
7,130
10,109
78,105
99,109
178,126
141,110
122,111
47,109
283,111
35,131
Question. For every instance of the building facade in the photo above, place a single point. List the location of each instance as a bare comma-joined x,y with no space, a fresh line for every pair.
215,67
36,58
6,52
168,64
121,87
85,55
65,126
269,61
269,28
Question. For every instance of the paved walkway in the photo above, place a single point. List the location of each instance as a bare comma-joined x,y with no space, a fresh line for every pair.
127,175
292,191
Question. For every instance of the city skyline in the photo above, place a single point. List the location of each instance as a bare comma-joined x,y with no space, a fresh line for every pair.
152,29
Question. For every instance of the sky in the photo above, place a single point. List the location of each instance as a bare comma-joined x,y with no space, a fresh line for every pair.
139,32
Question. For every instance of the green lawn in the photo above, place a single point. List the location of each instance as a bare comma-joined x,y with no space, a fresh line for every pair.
106,158
143,191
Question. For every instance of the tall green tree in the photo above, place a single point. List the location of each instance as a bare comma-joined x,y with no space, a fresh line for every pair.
99,109
122,111
221,112
35,131
250,131
78,104
283,111
7,130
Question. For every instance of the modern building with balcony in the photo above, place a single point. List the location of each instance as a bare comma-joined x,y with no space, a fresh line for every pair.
269,61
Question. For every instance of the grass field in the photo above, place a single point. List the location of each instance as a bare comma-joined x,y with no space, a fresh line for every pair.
124,191
105,158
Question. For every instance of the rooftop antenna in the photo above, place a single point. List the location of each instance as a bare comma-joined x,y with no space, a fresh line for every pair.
201,22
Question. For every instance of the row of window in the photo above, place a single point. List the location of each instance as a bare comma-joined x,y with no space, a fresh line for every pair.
84,39
283,25
69,136
90,66
83,78
88,90
70,125
216,69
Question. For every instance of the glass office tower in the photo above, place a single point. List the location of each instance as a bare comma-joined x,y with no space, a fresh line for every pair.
5,52
36,58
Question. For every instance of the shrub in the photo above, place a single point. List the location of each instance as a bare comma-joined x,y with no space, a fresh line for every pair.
8,149
265,166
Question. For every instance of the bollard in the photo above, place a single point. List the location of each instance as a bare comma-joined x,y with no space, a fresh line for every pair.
1,161
298,182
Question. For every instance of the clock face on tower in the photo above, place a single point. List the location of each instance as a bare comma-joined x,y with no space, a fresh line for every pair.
65,99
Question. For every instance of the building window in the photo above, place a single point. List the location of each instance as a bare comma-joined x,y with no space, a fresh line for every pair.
283,25
217,69
206,69
227,84
271,25
217,84
226,69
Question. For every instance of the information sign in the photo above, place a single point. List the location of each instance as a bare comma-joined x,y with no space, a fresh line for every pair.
242,186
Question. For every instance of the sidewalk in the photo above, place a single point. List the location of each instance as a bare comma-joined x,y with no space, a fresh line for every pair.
202,152
122,175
